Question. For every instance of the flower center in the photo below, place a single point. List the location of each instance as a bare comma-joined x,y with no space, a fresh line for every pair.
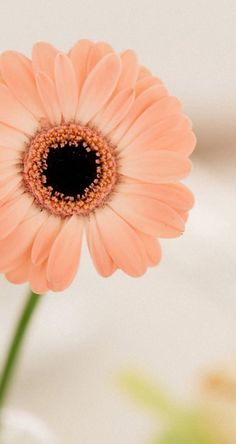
69,169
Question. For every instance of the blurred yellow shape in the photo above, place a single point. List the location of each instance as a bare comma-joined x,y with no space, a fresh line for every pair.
218,401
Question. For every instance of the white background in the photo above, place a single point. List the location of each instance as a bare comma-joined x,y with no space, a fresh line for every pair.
179,318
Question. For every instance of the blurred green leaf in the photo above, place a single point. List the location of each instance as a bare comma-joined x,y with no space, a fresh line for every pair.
190,430
149,395
180,425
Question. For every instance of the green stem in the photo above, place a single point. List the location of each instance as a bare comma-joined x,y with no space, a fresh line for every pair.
16,344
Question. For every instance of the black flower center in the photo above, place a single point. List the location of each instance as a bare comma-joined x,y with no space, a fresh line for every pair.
70,169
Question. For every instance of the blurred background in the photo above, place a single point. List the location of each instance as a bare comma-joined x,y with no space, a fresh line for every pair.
179,319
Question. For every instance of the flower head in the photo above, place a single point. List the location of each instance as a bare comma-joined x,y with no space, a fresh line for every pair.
90,141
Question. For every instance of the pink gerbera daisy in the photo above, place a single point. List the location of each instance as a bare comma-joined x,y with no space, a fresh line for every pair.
90,141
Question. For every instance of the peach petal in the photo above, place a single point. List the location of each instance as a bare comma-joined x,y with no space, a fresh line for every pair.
9,186
4,181
20,274
18,75
14,245
183,214
94,56
48,95
8,166
8,172
12,213
60,272
159,110
145,83
17,191
176,195
33,211
18,261
9,154
43,58
1,78
98,87
104,48
182,142
175,122
38,278
12,138
152,247
4,164
143,72
140,104
148,215
114,111
79,57
129,70
14,114
156,166
66,86
121,242
96,52
101,259
44,239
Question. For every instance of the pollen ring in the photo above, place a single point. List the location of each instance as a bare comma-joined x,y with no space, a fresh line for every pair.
69,169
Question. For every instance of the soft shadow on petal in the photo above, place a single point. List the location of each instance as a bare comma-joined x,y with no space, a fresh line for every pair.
100,257
12,138
156,166
182,142
129,70
45,238
12,213
38,278
64,256
20,273
98,87
114,111
152,247
14,245
140,104
94,56
18,75
145,83
66,86
159,110
121,242
79,57
13,113
48,94
151,136
7,154
143,72
104,48
148,215
176,195
43,58
10,185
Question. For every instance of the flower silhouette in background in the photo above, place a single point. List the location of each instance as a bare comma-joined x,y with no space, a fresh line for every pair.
210,420
90,141
218,397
